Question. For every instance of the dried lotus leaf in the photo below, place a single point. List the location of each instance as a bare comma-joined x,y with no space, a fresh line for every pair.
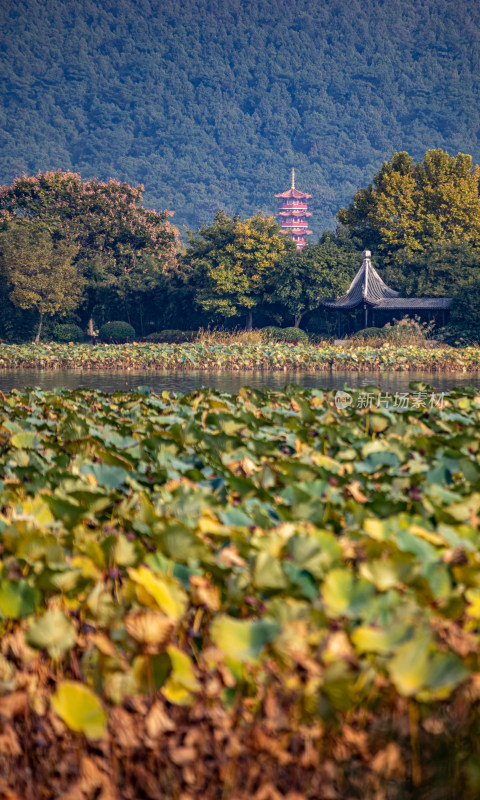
150,628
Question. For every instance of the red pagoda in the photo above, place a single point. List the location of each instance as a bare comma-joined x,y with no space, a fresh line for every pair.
292,210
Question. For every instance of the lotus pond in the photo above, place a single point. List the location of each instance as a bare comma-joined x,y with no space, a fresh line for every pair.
239,357
251,596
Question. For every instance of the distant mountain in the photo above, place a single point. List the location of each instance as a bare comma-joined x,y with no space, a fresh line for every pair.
209,103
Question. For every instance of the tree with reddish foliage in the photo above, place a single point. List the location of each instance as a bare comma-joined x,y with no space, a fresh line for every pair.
123,248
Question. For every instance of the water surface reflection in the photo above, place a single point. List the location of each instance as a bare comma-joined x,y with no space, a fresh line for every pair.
227,381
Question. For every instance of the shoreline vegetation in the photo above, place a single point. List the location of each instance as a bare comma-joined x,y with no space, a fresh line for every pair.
256,595
233,357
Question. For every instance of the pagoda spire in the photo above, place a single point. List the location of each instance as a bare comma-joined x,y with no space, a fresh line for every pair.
293,177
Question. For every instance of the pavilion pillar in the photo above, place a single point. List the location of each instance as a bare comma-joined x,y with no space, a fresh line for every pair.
366,315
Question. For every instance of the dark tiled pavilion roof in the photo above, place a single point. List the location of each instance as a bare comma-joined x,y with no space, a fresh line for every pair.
367,288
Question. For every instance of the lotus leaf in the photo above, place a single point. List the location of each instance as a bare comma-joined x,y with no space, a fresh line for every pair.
160,592
52,632
17,599
243,640
80,709
344,595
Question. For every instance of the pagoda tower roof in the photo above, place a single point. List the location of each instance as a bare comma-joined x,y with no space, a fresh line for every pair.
289,212
294,193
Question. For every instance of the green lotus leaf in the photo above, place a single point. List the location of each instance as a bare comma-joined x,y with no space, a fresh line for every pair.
446,672
107,476
345,595
368,639
243,639
127,553
268,574
80,709
386,573
151,672
18,599
52,632
410,666
315,552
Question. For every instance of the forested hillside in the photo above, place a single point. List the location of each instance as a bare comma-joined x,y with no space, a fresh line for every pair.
209,103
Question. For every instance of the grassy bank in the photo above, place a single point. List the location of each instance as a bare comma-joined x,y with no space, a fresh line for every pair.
263,596
205,356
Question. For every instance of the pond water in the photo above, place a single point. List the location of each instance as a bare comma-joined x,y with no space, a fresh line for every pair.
227,381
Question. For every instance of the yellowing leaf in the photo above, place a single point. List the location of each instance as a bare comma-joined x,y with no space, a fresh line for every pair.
26,440
159,591
80,709
182,681
473,598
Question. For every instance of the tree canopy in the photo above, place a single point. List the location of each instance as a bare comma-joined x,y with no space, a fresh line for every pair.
409,206
235,259
39,270
322,270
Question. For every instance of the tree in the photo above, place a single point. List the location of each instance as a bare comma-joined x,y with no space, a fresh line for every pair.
408,206
39,270
122,247
465,314
234,260
442,270
322,270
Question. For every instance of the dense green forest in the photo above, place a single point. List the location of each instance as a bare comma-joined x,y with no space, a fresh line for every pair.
209,104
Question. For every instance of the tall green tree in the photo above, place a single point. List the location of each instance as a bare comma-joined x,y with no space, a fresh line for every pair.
322,270
408,205
40,271
234,259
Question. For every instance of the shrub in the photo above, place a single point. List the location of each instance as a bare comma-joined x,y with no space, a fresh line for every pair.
294,335
367,333
68,333
285,334
170,335
374,337
402,331
118,331
271,332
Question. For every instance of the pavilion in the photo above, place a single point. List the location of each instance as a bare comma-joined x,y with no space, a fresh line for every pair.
380,303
